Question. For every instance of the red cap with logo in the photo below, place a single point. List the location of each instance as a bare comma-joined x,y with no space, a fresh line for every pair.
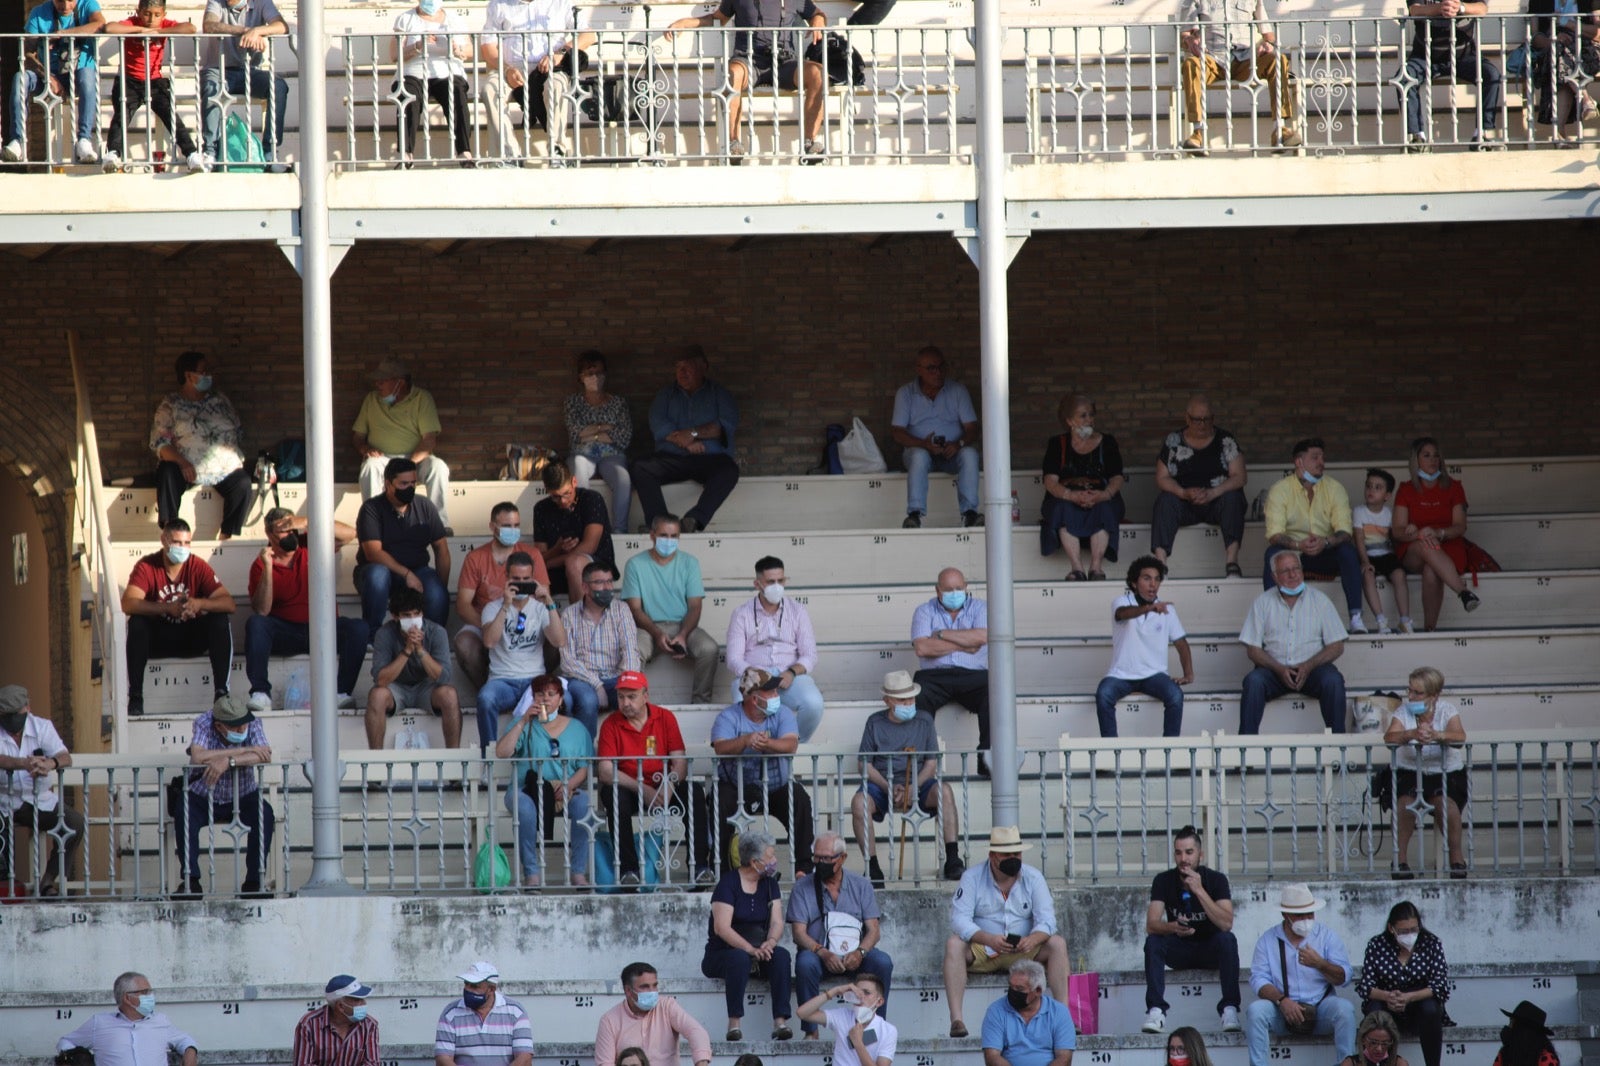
632,681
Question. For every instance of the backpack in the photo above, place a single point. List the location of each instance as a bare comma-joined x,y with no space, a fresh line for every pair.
841,62
241,148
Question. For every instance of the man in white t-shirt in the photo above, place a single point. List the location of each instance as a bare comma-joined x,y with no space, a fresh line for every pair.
1142,625
861,1036
515,629
538,48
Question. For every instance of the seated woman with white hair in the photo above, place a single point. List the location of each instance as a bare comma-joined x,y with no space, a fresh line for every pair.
745,927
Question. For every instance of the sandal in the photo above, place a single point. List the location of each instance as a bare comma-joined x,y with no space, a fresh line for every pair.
1097,575
1233,570
1077,575
1458,871
1402,873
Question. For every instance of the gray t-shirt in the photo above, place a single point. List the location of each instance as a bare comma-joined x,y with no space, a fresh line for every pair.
388,642
886,741
518,655
856,899
250,14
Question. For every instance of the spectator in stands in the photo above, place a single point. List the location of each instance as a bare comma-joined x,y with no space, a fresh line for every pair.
950,634
64,67
770,58
1372,522
1430,527
1309,513
141,80
746,928
543,54
648,1025
1526,1041
1186,1047
32,754
1428,761
280,600
482,579
411,670
397,420
899,768
662,588
243,64
1027,1027
1565,56
483,1027
1201,477
1189,926
836,925
1296,966
571,529
757,739
516,629
642,767
602,645
196,440
1378,1039
338,1033
553,760
228,747
599,430
430,47
176,608
1082,491
1142,625
693,421
1001,914
396,529
1404,972
774,633
1292,652
933,421
1217,42
135,1034
861,1035
1444,48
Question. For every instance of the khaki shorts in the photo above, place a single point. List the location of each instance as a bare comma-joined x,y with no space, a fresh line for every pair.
983,962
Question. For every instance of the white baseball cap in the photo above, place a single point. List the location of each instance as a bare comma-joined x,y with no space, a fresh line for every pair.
480,971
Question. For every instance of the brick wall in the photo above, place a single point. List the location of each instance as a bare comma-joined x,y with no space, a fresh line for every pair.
1334,332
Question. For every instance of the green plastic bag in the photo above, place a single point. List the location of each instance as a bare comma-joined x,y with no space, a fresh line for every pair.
242,149
491,869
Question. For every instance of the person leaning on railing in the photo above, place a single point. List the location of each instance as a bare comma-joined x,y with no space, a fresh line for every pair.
1565,54
236,61
756,739
32,754
141,80
1444,48
1428,761
1217,45
62,65
430,46
229,743
538,47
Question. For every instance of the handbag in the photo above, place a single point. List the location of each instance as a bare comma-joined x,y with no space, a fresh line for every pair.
1083,1002
1308,1019
491,869
841,62
859,452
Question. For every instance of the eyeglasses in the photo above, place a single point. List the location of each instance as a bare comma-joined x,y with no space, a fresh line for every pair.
1199,419
1379,1042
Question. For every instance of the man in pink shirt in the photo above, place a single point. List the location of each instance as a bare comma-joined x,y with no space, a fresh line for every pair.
648,1021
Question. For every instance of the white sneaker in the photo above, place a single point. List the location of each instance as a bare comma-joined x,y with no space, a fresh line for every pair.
259,701
111,162
1357,624
199,163
1405,626
1230,1020
1155,1021
347,702
12,152
84,151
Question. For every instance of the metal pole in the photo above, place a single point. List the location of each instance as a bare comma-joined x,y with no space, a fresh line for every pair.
994,255
327,851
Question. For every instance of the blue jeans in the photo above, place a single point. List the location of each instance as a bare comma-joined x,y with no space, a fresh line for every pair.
1339,561
375,582
804,698
1263,1020
1326,685
919,462
263,86
1160,686
584,705
266,636
1219,952
83,84
1422,73
808,970
254,813
496,697
531,828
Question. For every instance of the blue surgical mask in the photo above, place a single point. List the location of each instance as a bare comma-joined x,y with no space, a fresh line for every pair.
665,546
953,600
772,706
358,1014
1309,479
1416,707
904,712
647,1000
203,383
1295,591
147,1004
474,1000
177,554
428,7
388,401
236,738
1430,478
508,535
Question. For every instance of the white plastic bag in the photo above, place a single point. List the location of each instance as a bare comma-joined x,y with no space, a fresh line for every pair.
858,452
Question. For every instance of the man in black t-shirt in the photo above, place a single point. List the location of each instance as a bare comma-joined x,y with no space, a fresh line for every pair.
1190,926
571,529
396,532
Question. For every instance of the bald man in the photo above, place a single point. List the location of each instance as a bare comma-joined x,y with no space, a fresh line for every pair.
950,634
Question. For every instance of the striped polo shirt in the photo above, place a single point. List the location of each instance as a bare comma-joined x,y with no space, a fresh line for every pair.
489,1041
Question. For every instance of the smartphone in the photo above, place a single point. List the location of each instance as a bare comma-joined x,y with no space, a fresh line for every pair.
1013,939
525,587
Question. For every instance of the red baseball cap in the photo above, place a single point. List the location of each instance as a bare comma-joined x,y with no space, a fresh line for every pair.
632,681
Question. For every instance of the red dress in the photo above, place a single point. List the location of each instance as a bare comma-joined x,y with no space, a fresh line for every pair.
1434,508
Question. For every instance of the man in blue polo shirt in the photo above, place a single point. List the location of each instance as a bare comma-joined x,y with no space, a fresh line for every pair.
65,66
1027,1027
934,421
692,420
950,634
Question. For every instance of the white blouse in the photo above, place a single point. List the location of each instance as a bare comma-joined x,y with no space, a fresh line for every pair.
437,61
1435,758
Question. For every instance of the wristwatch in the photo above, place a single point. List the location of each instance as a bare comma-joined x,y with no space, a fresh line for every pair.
230,762
694,434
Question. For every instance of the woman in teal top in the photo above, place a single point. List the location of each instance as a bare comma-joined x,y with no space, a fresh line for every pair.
553,754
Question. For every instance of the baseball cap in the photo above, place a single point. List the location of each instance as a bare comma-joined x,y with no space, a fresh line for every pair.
632,681
480,971
345,986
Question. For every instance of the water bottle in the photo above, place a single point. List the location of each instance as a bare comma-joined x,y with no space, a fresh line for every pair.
297,696
1016,509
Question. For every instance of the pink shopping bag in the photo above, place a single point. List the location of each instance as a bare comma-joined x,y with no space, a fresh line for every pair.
1083,1002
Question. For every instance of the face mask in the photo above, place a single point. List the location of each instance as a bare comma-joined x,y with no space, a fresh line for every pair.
770,869
1416,707
904,712
1406,940
648,1000
358,1014
594,381
864,1014
147,1004
1018,1000
1435,476
474,1000
507,535
404,496
665,546
1011,865
953,600
410,625
1302,926
1083,432
824,871
428,7
1177,1058
1309,479
177,554
236,738
202,383
1293,590
15,722
604,596
289,542
772,706
1375,1054
388,401
773,594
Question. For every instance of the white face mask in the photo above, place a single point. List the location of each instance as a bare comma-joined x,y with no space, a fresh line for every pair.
409,625
865,1014
1406,940
773,594
1303,926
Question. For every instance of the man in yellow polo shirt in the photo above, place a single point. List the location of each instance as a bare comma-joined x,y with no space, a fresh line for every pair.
1310,514
397,420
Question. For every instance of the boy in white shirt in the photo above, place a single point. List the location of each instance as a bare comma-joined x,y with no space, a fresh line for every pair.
862,1037
1372,519
1142,627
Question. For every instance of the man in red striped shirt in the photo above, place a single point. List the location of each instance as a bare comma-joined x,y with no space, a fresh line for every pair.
339,1034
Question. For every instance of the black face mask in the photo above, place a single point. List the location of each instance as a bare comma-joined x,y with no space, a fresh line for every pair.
1018,1000
404,496
603,597
1011,866
289,542
14,722
824,871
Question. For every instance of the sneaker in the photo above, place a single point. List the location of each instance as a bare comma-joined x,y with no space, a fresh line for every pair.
280,168
816,152
629,880
1357,624
1417,142
971,518
705,876
12,152
1488,141
1286,138
875,873
1230,1020
199,163
347,702
913,521
259,701
1404,626
189,889
1469,600
84,151
111,162
1155,1021
1195,143
690,524
251,889
736,152
135,706
954,868
486,775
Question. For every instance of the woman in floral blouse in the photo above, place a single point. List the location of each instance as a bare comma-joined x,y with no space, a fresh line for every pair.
599,430
1405,973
